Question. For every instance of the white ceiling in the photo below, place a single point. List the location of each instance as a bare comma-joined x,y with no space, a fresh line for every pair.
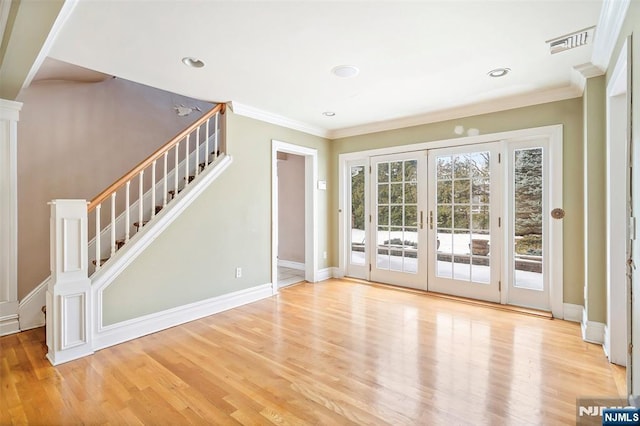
415,58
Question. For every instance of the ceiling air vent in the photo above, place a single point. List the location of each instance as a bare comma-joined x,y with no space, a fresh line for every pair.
570,41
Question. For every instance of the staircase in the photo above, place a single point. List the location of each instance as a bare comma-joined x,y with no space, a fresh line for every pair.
92,243
153,185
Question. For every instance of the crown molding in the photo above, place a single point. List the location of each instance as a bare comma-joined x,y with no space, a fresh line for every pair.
269,117
10,110
610,23
485,107
580,74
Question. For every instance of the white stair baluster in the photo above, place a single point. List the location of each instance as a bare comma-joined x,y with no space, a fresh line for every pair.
164,181
197,151
175,172
186,162
215,145
98,255
127,217
113,223
141,201
206,145
153,188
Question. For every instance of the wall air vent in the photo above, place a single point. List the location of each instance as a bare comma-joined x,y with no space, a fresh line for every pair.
570,41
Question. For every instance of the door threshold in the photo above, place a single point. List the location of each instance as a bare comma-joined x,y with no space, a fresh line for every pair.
509,308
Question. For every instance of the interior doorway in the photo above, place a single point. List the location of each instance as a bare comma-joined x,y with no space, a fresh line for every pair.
294,171
291,219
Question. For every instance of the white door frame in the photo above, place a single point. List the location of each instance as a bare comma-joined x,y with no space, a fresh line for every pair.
553,133
617,176
310,210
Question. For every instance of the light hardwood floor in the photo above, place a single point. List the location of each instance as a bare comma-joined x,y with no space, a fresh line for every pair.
331,353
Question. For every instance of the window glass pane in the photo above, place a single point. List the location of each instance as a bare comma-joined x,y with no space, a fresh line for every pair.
444,191
410,193
357,215
396,193
461,190
528,260
383,172
444,166
396,171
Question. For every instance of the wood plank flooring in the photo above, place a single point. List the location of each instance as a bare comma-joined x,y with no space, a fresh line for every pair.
331,353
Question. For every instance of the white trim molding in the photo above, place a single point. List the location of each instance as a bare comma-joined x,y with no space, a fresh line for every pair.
573,312
337,272
30,308
105,336
9,116
310,208
291,264
325,274
592,331
485,107
279,120
612,17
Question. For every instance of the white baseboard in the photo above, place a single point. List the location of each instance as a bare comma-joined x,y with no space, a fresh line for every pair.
325,274
592,331
138,327
30,308
9,323
573,312
291,264
337,272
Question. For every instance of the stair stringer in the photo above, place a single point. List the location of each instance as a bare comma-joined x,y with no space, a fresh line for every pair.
135,247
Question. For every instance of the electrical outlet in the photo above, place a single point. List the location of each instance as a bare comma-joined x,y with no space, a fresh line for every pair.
238,272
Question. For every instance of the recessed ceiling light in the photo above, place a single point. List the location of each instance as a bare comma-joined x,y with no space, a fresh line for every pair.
499,72
192,62
345,71
328,113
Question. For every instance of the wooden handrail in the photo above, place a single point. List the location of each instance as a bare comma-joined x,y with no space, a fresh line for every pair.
157,154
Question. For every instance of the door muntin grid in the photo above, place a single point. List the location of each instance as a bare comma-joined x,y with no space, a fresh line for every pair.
462,219
397,215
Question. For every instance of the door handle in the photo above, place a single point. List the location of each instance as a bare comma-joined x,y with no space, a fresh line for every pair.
431,219
421,219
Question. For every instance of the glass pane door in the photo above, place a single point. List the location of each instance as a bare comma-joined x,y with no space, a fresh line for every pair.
527,227
398,219
358,264
463,222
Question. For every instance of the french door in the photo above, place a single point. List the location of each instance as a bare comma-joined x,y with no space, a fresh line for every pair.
398,231
472,221
464,221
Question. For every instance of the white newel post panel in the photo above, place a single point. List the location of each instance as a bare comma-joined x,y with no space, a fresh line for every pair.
9,112
69,292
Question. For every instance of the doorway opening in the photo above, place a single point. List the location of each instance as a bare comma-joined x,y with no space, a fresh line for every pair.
293,214
291,220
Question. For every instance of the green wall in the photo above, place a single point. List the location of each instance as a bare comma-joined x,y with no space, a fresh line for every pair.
228,226
568,113
595,202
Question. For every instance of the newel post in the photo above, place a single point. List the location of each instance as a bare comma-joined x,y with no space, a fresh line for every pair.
69,292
